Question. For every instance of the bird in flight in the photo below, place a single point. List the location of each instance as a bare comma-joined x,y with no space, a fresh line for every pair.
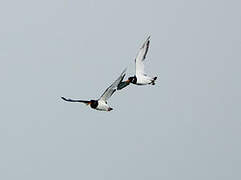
101,103
140,78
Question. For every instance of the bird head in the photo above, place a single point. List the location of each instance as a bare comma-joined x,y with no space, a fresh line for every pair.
132,79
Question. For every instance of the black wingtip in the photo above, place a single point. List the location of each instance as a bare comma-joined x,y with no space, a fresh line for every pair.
63,98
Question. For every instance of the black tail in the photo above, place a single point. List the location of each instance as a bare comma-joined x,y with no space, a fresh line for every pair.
153,81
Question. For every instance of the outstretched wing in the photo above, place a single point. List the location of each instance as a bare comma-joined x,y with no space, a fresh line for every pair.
73,100
112,88
141,57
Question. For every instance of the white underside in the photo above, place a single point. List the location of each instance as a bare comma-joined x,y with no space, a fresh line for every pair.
143,80
102,106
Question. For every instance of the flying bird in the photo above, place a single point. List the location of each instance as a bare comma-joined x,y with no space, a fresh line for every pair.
101,103
140,78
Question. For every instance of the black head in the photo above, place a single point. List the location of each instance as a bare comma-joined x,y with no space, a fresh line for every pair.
132,79
93,104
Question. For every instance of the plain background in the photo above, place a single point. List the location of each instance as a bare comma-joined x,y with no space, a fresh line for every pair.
187,126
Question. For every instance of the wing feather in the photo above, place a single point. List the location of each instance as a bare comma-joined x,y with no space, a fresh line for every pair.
141,57
112,88
74,100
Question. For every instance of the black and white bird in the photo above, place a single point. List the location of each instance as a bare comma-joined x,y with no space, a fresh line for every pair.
140,78
101,103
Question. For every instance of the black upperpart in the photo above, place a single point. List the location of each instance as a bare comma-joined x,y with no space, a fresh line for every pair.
122,85
133,79
93,104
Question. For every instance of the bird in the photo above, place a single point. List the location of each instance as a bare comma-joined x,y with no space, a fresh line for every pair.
140,78
101,103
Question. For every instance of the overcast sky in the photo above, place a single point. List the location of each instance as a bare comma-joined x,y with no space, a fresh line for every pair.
186,127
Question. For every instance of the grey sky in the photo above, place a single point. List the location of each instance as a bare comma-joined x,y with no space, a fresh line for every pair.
187,126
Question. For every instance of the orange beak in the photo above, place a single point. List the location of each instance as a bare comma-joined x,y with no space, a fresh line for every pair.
128,81
89,103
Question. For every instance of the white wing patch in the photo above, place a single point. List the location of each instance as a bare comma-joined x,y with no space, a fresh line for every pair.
141,57
112,88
